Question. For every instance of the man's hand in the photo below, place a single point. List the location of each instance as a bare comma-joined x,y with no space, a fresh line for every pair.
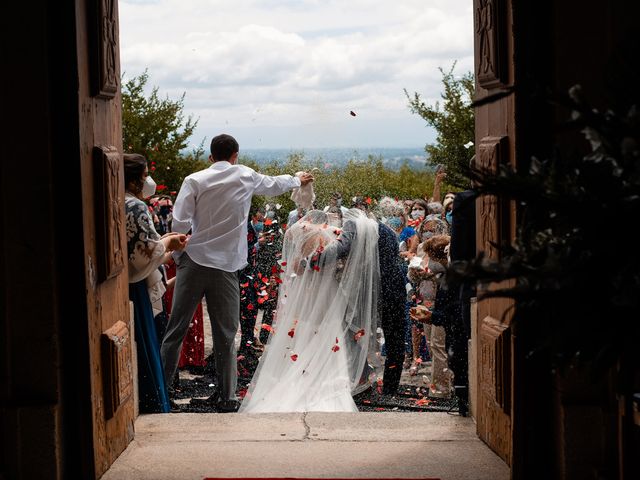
420,314
305,178
177,242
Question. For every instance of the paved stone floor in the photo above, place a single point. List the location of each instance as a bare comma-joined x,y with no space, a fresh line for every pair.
307,445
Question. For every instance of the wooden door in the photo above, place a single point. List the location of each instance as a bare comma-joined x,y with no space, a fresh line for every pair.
495,142
110,333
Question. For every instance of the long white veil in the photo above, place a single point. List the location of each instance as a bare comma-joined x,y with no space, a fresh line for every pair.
323,347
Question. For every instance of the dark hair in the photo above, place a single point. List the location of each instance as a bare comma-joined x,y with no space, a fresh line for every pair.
223,147
134,166
336,210
360,202
421,203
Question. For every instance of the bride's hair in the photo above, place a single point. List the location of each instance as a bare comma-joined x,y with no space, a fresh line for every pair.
315,217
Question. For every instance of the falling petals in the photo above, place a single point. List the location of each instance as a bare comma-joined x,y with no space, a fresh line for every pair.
335,348
292,332
294,357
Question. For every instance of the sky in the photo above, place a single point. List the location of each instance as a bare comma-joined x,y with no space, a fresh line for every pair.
287,73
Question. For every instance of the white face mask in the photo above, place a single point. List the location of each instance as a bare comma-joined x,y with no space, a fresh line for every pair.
148,187
416,214
427,235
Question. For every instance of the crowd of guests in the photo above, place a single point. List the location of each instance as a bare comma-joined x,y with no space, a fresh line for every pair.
427,320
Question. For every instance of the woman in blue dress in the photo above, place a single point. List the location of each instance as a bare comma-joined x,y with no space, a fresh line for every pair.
147,251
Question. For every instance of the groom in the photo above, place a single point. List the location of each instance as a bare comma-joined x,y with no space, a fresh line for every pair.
214,204
390,298
391,301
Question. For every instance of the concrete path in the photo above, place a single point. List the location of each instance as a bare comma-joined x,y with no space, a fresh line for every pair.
193,446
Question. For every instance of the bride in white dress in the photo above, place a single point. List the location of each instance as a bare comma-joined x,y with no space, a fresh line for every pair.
323,347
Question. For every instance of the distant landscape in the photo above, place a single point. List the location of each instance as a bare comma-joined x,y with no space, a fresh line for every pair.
392,158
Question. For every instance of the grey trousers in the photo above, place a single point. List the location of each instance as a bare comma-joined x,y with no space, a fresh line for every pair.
222,292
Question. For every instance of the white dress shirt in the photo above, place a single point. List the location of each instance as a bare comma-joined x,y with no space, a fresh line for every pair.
214,203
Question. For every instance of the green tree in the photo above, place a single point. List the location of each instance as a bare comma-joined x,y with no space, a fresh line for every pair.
157,128
367,178
453,122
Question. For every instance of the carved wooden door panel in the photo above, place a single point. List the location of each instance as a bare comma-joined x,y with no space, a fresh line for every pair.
100,136
495,144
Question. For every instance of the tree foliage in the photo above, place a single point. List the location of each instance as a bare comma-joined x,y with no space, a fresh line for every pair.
367,178
453,122
156,128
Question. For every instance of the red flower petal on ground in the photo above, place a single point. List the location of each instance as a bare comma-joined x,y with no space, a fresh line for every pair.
278,280
250,306
335,348
267,327
359,334
265,280
337,340
294,357
244,285
284,264
261,300
292,332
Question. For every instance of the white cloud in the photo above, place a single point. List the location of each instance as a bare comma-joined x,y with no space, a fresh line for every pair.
289,66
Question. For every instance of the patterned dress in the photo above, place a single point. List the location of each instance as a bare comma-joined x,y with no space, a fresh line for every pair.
145,254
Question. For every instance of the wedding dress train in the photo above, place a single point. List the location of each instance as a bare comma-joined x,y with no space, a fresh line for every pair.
323,346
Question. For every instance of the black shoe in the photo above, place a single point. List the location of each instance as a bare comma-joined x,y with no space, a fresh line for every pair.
462,397
174,407
228,406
